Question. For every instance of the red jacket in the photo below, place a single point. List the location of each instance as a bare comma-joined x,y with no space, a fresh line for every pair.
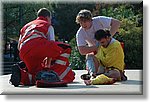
39,26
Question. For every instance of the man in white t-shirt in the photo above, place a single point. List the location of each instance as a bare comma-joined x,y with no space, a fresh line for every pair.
86,43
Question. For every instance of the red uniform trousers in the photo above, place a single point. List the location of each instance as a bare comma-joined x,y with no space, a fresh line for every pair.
33,54
61,67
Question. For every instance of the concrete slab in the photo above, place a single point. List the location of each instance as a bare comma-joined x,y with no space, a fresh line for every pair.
134,85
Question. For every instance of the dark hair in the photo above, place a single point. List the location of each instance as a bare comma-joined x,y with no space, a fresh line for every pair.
43,12
102,34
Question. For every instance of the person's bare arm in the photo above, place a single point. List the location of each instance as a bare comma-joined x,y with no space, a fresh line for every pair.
85,49
115,24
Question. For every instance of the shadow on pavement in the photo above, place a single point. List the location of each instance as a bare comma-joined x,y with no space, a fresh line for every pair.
132,82
74,87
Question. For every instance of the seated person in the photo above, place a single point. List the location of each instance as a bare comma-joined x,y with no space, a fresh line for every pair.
109,60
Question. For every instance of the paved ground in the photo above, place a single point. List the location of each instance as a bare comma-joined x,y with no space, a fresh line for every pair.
134,85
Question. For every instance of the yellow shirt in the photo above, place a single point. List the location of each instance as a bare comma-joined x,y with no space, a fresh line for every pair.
112,56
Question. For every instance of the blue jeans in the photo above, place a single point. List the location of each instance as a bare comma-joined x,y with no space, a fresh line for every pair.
91,66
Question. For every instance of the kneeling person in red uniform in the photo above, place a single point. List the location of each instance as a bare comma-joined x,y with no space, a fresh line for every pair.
37,50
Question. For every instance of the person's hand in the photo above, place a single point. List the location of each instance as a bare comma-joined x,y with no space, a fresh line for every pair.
46,63
87,82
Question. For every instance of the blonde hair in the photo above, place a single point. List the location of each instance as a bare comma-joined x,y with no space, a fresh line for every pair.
83,15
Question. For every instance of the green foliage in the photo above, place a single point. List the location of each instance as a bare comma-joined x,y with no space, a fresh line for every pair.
65,15
77,61
17,15
132,37
130,32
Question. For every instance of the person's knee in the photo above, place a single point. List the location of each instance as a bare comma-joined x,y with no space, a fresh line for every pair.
113,74
89,56
101,70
